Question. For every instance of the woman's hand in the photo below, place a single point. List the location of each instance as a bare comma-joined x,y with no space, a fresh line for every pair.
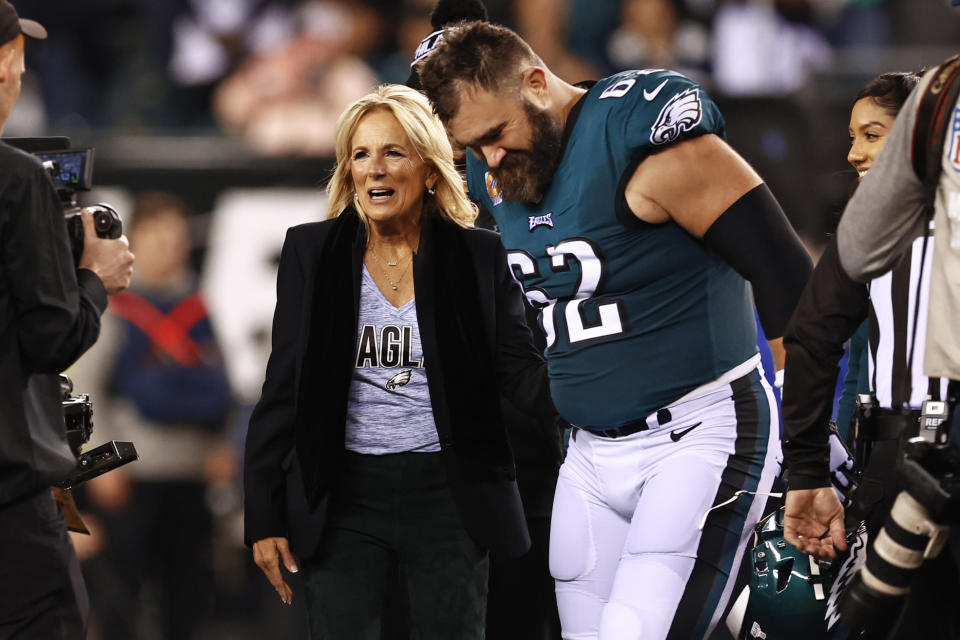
267,554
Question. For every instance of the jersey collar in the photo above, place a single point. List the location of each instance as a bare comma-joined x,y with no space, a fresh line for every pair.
575,114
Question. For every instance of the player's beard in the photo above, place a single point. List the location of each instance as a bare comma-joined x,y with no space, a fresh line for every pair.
525,176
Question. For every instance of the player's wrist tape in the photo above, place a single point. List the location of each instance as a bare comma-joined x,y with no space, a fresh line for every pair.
755,238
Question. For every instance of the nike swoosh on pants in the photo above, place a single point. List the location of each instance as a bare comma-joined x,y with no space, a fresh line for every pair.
676,435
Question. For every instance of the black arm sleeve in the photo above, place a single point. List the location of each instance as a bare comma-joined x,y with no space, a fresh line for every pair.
831,308
754,237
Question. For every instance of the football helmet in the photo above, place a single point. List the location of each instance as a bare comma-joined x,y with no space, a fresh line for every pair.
792,594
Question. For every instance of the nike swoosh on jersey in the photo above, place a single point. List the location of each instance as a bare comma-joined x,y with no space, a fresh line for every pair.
676,435
650,95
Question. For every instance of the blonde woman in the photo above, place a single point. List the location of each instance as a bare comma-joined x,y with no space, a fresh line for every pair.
378,443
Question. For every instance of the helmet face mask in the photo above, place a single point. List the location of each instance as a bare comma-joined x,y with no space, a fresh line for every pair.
791,594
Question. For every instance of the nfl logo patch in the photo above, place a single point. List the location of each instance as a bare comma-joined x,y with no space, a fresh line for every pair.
954,147
493,189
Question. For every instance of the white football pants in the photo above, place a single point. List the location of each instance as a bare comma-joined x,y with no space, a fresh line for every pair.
625,549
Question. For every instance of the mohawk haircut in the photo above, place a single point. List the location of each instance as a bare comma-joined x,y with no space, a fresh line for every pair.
472,54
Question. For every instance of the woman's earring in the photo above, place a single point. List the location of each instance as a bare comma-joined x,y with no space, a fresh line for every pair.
356,197
432,190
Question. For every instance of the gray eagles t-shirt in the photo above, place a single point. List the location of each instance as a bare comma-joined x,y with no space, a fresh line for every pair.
389,408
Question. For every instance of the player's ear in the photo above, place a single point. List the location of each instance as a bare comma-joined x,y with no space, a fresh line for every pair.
534,87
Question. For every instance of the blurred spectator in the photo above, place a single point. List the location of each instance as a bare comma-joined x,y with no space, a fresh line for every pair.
544,25
210,38
595,22
157,380
411,26
855,23
766,48
651,36
286,100
79,91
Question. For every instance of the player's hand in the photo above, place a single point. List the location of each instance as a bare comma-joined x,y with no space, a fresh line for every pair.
109,258
267,554
813,522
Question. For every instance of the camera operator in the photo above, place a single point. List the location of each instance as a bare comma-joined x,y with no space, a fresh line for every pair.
49,315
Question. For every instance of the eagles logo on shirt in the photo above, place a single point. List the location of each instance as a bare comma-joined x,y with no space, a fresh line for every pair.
399,380
493,189
681,113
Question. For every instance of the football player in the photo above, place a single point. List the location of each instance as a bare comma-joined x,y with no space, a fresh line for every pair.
638,231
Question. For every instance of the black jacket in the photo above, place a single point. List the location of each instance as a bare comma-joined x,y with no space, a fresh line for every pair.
476,347
49,315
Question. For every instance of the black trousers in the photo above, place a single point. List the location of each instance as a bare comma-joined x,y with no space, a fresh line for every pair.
389,515
42,595
522,602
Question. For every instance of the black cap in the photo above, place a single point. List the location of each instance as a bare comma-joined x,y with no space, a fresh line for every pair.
12,25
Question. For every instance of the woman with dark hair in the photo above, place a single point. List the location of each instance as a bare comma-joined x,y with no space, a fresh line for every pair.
871,119
873,113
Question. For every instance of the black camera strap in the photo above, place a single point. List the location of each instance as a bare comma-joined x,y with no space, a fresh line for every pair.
933,113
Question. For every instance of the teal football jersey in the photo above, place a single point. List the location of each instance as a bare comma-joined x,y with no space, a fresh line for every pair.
636,315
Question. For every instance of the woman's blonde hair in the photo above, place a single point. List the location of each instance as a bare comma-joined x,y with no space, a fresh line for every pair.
429,139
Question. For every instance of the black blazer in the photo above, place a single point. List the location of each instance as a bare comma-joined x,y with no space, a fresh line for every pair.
476,347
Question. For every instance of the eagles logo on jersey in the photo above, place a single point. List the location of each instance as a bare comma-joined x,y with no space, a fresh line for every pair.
681,113
399,380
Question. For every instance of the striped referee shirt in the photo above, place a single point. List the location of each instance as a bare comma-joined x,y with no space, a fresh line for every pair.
829,311
893,311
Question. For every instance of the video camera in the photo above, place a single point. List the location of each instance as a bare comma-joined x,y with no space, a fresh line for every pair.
78,419
71,171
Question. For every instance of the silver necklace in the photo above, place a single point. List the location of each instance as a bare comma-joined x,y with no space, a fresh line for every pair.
386,274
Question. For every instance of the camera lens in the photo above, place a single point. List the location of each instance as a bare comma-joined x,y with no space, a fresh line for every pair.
875,600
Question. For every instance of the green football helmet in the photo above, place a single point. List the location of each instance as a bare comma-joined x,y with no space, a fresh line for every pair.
792,594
